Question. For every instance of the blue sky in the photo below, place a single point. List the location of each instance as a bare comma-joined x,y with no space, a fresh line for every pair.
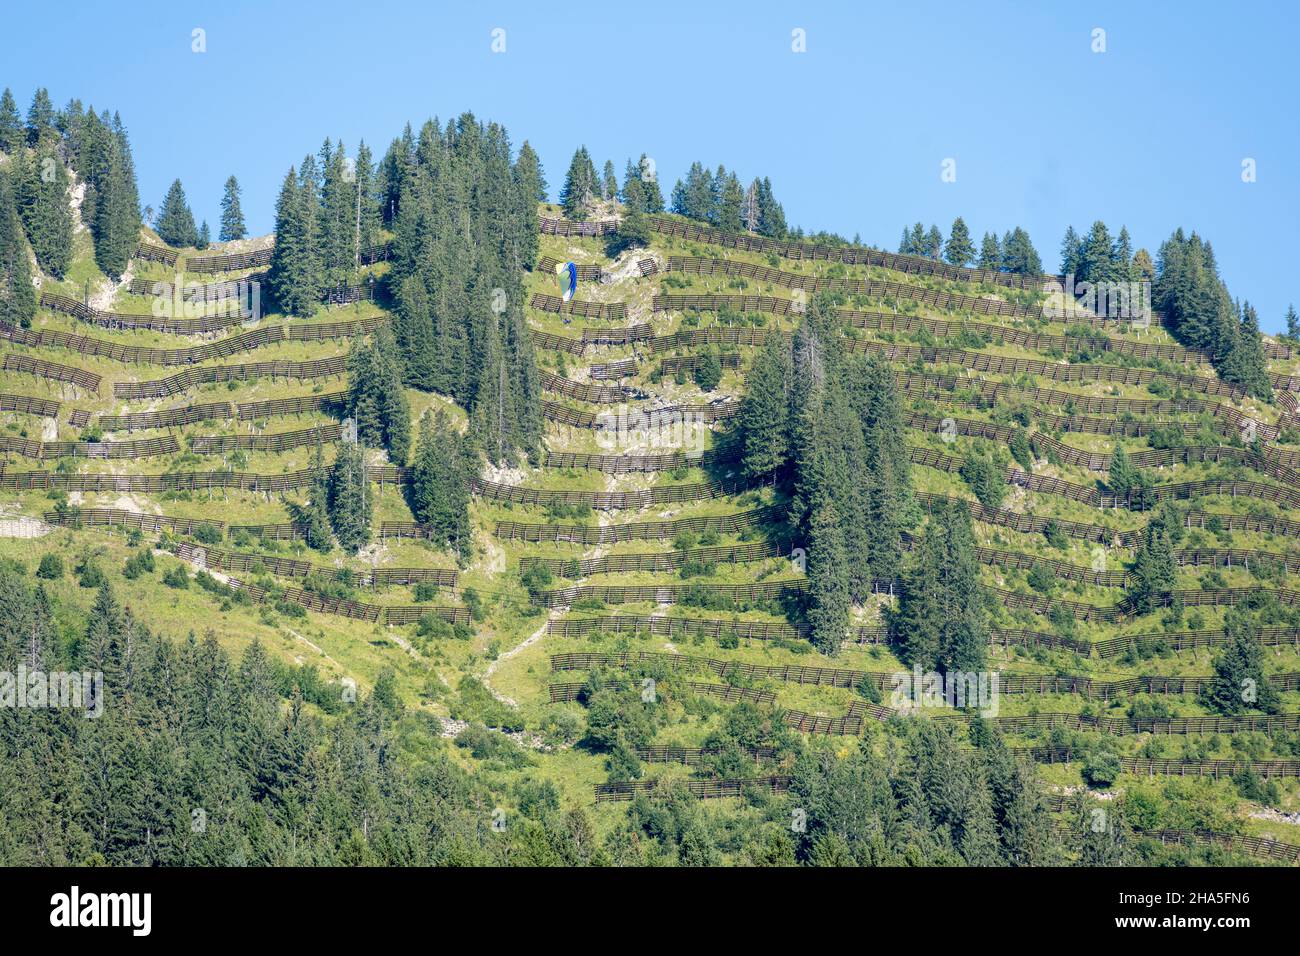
1045,132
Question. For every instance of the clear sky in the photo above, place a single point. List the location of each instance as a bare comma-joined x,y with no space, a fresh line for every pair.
853,132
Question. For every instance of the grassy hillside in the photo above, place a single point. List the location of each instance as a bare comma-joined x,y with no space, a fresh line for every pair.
719,662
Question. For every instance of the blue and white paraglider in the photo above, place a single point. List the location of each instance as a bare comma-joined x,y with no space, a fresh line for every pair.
567,273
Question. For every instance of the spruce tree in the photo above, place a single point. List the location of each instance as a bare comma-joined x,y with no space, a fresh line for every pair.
42,195
116,221
293,277
763,418
313,518
232,214
934,243
941,623
350,497
828,580
1070,248
204,238
990,253
1097,261
11,125
17,295
730,200
439,483
175,224
1292,323
654,197
1240,683
959,250
1019,255
580,185
610,182
1153,575
40,119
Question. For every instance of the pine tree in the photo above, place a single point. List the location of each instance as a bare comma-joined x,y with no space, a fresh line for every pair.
11,125
1202,315
1154,573
1019,255
1246,363
294,275
632,193
960,250
905,243
941,623
116,221
828,580
763,418
232,214
176,222
17,295
654,197
1071,245
530,189
1292,323
350,498
990,253
40,118
439,483
1097,262
1240,683
731,199
580,185
1124,271
42,196
918,242
934,243
610,184
313,519
205,236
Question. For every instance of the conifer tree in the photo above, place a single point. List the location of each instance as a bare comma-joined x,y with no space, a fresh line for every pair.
294,275
905,243
1071,245
439,483
730,200
42,196
763,416
1097,260
40,119
580,185
1019,255
313,518
1143,266
632,193
610,182
918,242
941,622
11,125
959,250
1240,683
350,498
828,580
1153,575
990,253
934,243
654,197
17,295
205,236
116,221
175,221
1202,315
232,214
1292,323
